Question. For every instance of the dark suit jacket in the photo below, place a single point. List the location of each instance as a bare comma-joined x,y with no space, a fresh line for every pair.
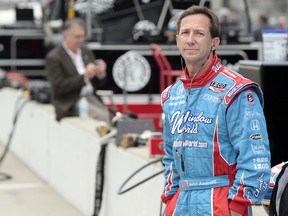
66,83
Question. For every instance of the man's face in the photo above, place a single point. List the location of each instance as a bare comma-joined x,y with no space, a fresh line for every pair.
194,39
74,38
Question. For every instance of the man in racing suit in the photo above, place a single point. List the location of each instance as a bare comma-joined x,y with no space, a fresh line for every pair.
217,157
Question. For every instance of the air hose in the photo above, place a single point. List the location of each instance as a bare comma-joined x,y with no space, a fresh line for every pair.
121,191
15,118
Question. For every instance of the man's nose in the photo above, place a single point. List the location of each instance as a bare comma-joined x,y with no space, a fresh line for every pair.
191,38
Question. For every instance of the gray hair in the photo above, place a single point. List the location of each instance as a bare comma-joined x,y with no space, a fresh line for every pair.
69,23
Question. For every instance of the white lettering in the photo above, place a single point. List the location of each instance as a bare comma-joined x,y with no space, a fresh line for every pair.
178,121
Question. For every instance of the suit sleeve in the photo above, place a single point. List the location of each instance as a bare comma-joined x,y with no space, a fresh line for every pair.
60,74
248,134
171,175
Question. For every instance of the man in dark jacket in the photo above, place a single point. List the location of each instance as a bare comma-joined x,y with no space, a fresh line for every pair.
73,73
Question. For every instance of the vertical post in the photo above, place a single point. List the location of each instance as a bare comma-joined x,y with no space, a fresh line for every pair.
249,26
163,14
89,20
71,10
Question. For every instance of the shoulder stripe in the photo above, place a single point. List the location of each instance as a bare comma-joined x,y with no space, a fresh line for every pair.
240,83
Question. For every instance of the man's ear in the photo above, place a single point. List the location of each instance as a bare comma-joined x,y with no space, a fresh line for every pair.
176,39
215,43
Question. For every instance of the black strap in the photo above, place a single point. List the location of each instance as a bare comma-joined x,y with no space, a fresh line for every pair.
283,209
272,206
99,183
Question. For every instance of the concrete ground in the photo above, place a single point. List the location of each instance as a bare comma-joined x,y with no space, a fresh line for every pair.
25,194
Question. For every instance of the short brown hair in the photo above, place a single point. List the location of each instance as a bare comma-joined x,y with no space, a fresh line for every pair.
193,10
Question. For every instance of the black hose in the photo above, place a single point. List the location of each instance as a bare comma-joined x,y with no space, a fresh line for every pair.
7,147
121,191
12,131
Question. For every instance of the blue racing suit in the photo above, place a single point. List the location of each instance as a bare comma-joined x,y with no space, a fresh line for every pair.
217,154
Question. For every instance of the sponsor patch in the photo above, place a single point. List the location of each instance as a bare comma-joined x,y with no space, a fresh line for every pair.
258,149
217,87
251,114
234,90
212,98
250,99
254,125
185,184
230,73
190,143
262,185
165,94
217,66
256,136
180,90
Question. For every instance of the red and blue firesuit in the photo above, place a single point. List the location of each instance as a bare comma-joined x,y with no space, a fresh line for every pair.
217,154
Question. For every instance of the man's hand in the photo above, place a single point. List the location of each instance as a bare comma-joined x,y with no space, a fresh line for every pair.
90,71
98,70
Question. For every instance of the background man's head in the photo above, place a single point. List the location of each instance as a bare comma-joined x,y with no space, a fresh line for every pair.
74,33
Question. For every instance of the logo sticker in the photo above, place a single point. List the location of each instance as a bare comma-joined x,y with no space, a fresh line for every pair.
217,87
212,98
256,136
254,125
250,99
